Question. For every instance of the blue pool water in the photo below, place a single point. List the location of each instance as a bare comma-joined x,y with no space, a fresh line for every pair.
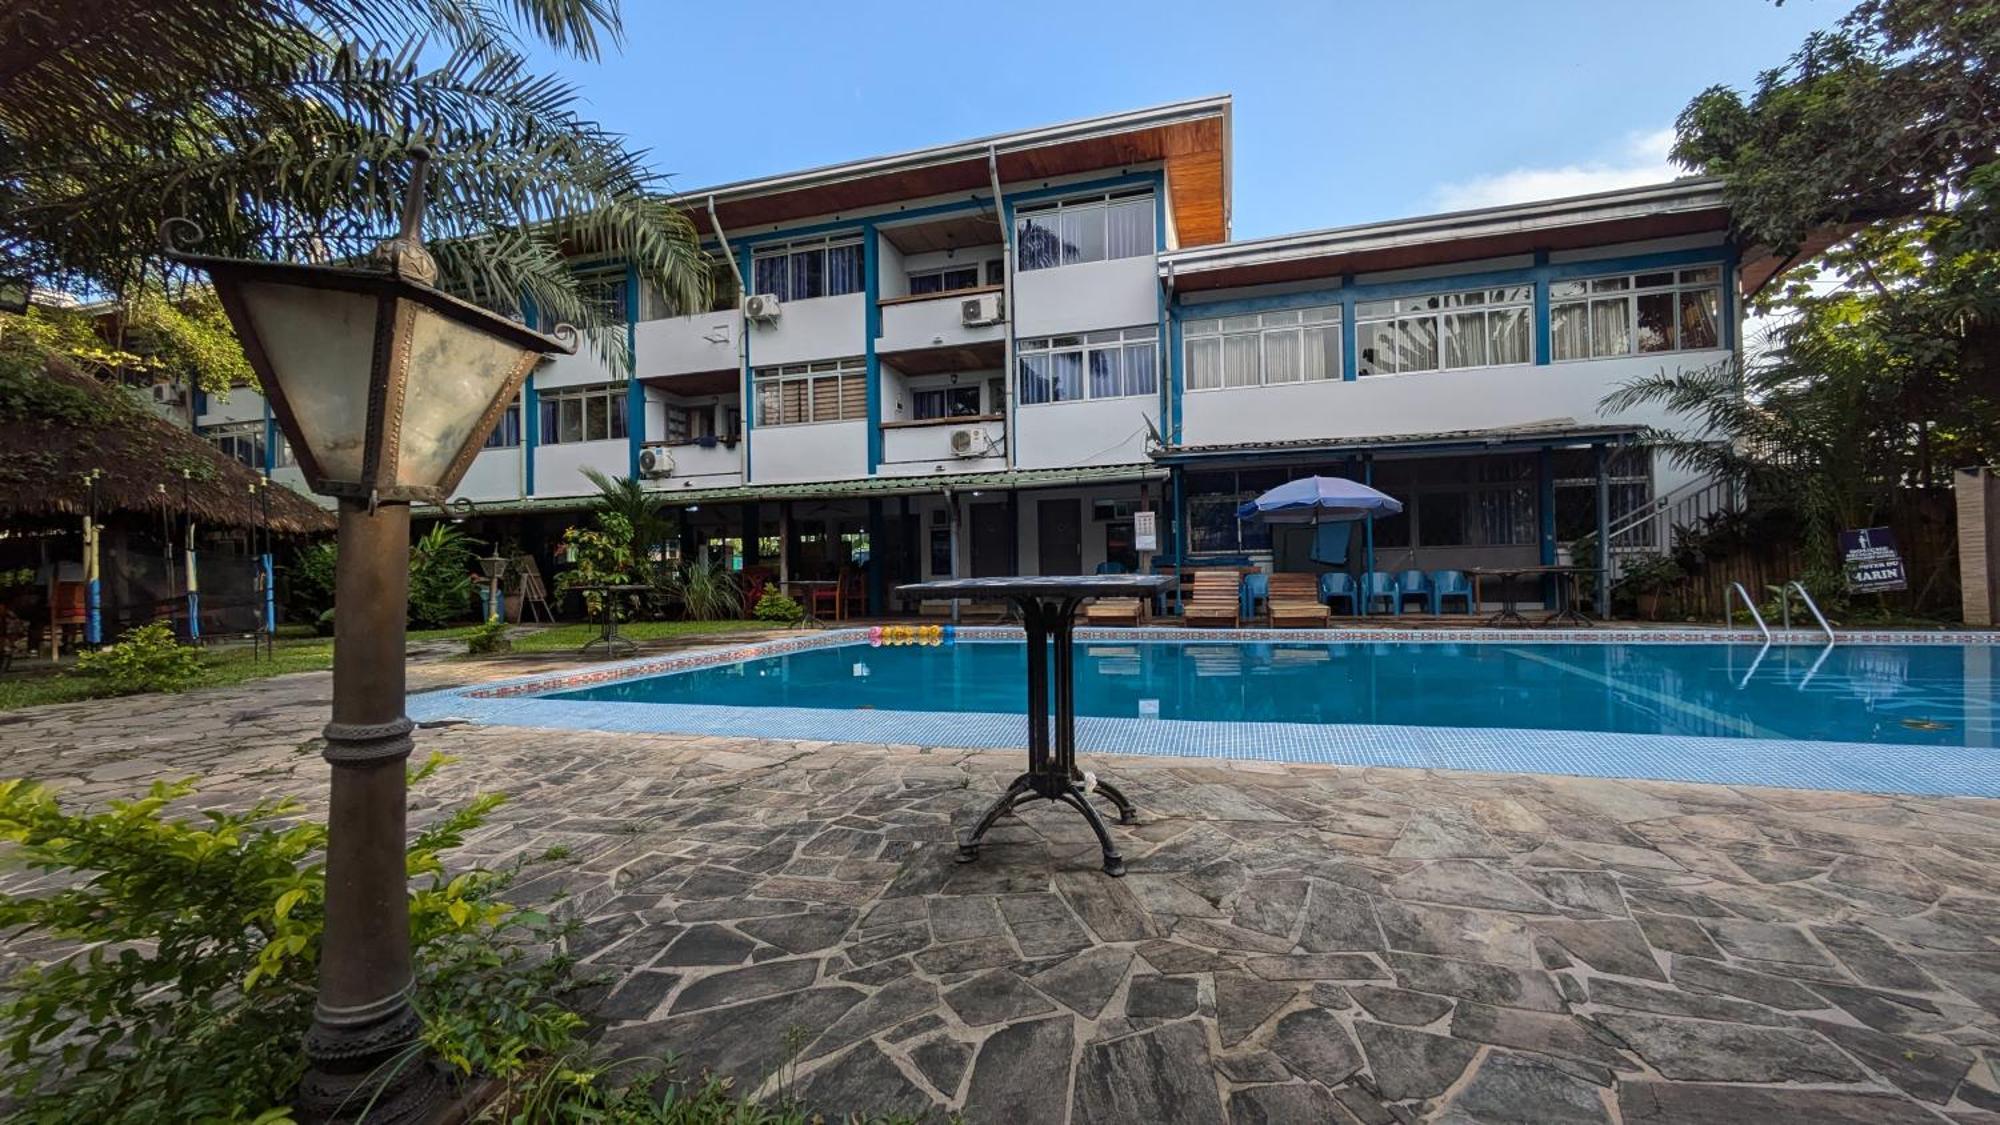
1939,695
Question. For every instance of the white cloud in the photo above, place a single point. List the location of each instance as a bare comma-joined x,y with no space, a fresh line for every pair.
1640,159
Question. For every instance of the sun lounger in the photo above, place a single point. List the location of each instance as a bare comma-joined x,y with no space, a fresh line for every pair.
1213,599
1294,601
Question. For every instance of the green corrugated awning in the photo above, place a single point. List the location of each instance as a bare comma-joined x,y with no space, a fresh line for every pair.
927,484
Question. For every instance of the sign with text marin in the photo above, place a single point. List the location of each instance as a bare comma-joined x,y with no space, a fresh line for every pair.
1872,563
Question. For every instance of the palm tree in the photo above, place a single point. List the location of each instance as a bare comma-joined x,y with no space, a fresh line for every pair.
285,127
641,509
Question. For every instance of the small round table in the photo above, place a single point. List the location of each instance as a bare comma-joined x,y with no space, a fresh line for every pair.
1048,605
609,642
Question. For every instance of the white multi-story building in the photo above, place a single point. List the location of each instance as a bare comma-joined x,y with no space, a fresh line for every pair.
985,357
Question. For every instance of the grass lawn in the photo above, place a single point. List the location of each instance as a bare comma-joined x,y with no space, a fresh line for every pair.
300,650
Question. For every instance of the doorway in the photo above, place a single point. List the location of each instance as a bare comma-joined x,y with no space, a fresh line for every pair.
1059,536
991,538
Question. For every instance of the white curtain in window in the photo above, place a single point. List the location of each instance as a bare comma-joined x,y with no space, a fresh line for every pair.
1104,373
1281,357
1129,229
1569,331
1508,336
1082,234
1141,369
1417,344
1204,361
1322,353
1034,379
1065,376
1611,327
1465,340
1239,360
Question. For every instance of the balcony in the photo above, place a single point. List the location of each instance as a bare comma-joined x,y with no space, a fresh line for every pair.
935,320
701,463
684,345
927,447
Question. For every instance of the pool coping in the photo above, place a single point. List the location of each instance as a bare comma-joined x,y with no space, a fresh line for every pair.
1909,768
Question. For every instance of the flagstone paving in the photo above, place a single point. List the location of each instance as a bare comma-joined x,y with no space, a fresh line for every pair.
1291,943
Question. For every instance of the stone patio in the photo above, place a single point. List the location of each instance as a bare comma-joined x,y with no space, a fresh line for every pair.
1292,943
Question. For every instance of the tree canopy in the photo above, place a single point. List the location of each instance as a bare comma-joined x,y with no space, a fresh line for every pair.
285,127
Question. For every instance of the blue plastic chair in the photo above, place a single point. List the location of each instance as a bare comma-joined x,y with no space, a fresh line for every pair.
1377,586
1111,567
1337,585
1451,584
1413,584
1256,588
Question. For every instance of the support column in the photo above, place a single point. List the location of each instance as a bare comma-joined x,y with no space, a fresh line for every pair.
1545,481
1368,527
784,541
1603,534
364,1024
1014,531
877,589
753,526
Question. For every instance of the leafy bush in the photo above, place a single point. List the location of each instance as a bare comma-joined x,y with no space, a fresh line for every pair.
706,591
441,566
309,581
778,606
323,624
488,637
599,556
148,658
203,937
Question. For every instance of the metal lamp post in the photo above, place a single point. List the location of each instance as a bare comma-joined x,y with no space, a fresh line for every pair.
386,388
495,566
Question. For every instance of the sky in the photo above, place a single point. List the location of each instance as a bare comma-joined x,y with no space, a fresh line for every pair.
1344,112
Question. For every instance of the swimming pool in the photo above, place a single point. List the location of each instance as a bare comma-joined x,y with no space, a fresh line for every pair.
1880,712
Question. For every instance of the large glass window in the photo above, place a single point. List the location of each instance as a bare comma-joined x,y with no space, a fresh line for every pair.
949,279
1119,363
1473,328
243,443
1092,228
815,267
944,402
573,414
834,391
1289,346
1662,311
507,432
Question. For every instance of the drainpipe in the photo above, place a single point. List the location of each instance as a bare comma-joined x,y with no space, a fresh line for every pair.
1169,363
1007,297
951,522
742,345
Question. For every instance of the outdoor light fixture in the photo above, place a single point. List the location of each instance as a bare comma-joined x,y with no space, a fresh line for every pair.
386,388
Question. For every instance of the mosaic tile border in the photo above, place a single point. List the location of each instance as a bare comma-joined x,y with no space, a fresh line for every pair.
1781,763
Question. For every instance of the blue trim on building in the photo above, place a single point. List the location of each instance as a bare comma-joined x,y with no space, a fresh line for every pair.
1129,179
871,364
531,433
1540,273
1176,377
749,396
635,391
270,439
973,202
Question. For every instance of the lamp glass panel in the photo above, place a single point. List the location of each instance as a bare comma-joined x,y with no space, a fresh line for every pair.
457,369
321,347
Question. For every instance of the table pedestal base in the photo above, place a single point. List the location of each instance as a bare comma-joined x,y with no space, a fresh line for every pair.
1072,791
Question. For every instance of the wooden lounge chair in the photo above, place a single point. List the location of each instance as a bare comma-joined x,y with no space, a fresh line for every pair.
1295,602
1213,599
1113,611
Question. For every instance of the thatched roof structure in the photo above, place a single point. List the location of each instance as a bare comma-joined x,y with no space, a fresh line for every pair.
58,423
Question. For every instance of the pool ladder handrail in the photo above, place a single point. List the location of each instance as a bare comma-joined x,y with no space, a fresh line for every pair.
1785,608
1736,590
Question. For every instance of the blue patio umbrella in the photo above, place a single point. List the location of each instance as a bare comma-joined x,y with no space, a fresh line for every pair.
1319,500
1330,504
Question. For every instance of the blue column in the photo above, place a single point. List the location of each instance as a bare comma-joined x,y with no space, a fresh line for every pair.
1350,334
871,289
531,434
1541,274
1170,422
635,391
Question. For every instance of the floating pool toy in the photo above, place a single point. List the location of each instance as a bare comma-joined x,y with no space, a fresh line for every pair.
875,636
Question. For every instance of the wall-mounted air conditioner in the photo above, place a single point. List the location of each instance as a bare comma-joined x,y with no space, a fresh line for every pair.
655,462
763,308
977,312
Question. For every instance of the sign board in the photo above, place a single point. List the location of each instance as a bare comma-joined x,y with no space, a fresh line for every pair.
1871,561
1145,531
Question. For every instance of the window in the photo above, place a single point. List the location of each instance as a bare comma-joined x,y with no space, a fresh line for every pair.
816,267
1090,229
573,414
1662,311
285,458
1112,364
507,432
944,402
689,423
1291,346
946,280
996,271
1445,331
834,391
244,444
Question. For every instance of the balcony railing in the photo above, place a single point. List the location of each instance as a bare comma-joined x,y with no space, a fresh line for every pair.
935,320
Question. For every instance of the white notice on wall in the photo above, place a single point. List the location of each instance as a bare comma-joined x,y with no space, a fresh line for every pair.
1145,531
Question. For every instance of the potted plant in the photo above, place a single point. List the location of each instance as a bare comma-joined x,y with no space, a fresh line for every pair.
1649,577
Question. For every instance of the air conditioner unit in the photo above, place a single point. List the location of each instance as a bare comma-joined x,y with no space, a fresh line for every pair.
976,312
970,443
655,462
167,394
762,307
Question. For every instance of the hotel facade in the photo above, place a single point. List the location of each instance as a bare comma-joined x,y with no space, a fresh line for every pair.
992,357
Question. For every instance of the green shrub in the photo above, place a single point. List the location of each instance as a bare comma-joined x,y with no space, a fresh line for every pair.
488,637
309,580
323,624
441,566
706,591
780,607
148,658
202,935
